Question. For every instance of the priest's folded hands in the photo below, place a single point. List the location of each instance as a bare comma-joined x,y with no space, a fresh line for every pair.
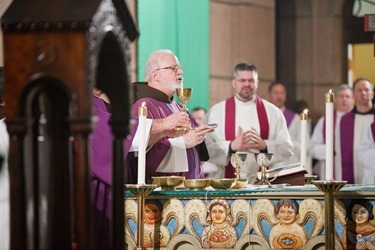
247,141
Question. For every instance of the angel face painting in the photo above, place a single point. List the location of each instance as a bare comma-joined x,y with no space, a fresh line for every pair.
152,214
287,214
218,215
360,214
220,233
155,234
359,232
287,234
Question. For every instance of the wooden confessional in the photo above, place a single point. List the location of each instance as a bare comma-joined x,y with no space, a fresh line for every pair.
55,52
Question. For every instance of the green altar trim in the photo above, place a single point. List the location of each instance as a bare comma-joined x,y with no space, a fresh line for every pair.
349,190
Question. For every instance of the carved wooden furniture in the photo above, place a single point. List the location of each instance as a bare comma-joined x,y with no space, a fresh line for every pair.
55,52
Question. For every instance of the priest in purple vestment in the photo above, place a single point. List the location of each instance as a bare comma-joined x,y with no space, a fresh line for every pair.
101,167
169,152
353,127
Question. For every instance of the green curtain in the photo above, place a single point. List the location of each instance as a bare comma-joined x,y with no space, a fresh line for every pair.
183,27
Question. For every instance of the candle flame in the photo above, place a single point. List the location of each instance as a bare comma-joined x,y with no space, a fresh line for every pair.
306,111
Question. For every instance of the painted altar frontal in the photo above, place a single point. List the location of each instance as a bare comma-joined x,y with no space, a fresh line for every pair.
252,218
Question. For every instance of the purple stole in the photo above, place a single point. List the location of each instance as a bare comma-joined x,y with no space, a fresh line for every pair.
347,146
230,126
373,130
289,115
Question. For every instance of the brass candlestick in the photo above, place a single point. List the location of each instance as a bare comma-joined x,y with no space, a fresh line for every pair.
141,191
329,188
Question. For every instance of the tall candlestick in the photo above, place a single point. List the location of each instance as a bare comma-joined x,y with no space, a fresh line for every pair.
304,117
329,99
142,114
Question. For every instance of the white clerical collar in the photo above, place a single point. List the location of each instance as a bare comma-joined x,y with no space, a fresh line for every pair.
242,103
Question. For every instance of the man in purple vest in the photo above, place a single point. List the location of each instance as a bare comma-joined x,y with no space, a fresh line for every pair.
246,123
353,127
366,155
343,104
169,152
277,96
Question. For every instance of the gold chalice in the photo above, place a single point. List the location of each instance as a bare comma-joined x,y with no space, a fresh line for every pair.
184,95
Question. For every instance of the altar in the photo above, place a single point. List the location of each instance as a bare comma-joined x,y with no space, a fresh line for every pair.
290,217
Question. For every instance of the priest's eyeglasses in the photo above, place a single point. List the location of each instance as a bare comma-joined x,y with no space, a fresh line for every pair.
174,68
246,80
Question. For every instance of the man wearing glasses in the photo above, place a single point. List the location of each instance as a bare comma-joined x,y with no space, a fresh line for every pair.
169,151
247,123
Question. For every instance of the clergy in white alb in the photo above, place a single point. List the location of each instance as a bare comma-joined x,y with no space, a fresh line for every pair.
246,123
277,95
343,104
366,155
4,187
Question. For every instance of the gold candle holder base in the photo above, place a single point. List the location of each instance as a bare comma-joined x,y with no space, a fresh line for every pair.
141,191
329,188
264,179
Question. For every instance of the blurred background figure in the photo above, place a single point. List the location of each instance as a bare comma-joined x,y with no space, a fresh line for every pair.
4,176
277,96
343,104
300,106
366,155
198,114
210,169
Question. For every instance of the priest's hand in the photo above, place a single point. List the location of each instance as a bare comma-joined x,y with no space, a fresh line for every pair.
196,136
241,142
256,142
177,119
170,122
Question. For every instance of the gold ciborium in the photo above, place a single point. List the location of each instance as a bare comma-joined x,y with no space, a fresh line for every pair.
264,161
184,95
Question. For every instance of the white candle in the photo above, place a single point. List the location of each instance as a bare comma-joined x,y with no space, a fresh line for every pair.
142,114
329,99
304,117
